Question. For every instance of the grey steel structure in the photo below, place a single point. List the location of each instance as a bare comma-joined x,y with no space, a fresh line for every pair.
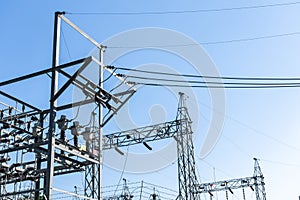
35,144
185,149
179,129
40,134
255,183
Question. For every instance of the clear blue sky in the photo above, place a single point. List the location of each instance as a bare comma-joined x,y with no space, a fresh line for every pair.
258,123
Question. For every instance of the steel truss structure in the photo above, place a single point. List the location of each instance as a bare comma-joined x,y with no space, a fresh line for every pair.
255,183
138,190
33,142
179,129
185,150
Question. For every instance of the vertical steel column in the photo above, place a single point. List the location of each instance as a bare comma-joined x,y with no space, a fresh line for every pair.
182,178
38,158
93,172
53,104
100,125
259,182
185,150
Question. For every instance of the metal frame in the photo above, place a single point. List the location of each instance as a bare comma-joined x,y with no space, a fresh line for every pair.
185,150
49,153
255,183
141,135
179,129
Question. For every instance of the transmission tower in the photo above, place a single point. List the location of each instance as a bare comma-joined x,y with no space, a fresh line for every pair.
185,150
179,129
39,133
259,181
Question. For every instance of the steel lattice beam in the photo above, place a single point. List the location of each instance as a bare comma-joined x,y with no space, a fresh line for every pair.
256,183
227,185
140,135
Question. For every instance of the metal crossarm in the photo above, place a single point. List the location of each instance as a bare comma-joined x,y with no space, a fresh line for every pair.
255,183
140,135
226,185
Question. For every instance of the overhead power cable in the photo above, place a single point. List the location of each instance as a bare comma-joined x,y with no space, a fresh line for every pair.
218,82
210,42
209,82
210,77
65,42
254,130
216,86
187,11
158,186
251,38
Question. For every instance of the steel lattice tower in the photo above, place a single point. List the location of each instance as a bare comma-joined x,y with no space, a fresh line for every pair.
181,130
185,150
259,182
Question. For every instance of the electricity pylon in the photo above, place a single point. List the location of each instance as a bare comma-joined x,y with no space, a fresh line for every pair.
24,130
179,129
185,150
259,182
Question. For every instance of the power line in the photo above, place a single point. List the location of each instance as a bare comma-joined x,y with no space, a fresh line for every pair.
253,129
158,186
215,86
186,11
211,77
281,163
123,170
128,183
227,138
210,82
211,42
250,39
65,42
